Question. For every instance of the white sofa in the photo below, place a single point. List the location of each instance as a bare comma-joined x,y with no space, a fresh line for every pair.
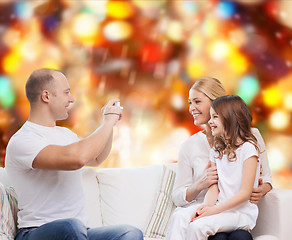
141,197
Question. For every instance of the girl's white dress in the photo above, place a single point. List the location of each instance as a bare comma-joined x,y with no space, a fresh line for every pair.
193,159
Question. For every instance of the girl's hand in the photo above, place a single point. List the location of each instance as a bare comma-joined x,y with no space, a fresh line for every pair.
204,211
209,177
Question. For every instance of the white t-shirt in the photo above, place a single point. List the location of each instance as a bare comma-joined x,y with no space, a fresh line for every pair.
43,195
230,178
193,158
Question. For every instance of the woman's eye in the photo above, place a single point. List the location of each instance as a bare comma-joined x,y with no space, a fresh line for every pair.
197,102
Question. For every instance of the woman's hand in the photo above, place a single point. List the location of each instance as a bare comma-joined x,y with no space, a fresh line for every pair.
260,191
209,177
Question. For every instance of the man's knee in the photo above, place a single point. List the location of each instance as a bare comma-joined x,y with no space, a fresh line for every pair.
240,234
72,229
131,233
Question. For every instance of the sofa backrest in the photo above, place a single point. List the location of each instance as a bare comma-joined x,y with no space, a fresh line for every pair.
4,178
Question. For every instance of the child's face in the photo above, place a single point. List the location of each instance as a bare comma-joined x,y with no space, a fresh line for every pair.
216,124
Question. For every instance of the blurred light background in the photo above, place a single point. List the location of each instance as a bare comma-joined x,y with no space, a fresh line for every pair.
148,53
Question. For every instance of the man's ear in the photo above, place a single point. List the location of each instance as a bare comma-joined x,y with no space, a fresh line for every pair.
45,96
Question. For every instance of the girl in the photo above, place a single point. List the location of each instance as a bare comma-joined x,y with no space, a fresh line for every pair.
235,153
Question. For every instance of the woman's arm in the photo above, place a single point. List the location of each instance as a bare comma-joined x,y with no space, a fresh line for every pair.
211,198
208,178
185,190
247,182
265,181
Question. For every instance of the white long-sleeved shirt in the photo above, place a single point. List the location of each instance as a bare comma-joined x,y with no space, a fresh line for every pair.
193,158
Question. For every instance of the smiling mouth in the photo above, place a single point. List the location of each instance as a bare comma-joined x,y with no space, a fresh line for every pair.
195,115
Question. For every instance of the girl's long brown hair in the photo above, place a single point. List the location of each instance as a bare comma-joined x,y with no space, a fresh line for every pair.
236,119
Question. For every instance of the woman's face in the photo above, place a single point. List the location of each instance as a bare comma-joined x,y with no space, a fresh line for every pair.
199,107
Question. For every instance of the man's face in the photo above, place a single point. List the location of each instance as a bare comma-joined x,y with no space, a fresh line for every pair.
61,97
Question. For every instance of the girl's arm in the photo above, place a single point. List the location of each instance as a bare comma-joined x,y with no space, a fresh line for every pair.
247,182
210,198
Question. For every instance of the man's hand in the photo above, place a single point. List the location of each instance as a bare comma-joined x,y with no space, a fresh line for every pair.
112,112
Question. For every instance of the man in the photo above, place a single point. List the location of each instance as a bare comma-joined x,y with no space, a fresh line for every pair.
44,163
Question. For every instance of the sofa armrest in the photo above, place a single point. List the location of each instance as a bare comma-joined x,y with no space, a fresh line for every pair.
275,214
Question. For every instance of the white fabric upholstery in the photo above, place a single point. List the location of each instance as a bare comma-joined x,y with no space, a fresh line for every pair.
163,207
275,214
7,223
92,199
129,194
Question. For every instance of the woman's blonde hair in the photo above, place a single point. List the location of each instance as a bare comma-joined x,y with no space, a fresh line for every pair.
211,87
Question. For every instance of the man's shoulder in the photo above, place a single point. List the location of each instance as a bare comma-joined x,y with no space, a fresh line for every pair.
67,131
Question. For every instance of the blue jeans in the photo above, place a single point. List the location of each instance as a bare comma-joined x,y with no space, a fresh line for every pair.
73,229
239,234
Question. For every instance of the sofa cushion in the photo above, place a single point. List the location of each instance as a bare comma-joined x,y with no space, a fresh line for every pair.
128,195
7,223
92,200
163,208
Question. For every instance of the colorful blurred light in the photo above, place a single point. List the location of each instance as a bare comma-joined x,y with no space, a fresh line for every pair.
7,96
12,61
237,62
248,88
272,97
118,31
189,7
288,101
177,101
23,10
98,8
210,27
86,29
219,50
225,9
279,120
276,158
154,52
119,9
196,68
150,8
5,118
11,37
175,31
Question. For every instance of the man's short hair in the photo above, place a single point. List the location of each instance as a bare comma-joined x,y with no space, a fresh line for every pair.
39,80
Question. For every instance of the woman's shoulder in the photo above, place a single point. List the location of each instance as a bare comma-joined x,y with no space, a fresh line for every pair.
195,140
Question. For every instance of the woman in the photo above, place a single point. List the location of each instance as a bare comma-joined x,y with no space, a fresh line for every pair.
195,174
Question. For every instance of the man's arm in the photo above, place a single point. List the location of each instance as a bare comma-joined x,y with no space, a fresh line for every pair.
78,154
103,155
